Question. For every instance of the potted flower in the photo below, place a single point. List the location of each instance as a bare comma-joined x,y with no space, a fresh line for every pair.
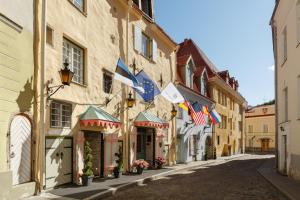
119,163
87,176
160,161
140,165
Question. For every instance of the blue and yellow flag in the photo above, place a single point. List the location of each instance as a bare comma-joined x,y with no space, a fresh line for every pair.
150,88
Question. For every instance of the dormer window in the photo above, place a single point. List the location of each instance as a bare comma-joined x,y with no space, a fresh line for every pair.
145,6
189,74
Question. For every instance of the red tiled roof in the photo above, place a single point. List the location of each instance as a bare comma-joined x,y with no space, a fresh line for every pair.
189,48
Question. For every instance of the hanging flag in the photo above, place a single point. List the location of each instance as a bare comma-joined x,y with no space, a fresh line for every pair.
150,88
206,112
185,105
172,94
215,116
123,75
197,115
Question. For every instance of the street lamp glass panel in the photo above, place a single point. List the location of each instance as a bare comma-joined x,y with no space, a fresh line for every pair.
66,76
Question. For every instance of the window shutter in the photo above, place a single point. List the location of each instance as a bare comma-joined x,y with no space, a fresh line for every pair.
137,38
154,50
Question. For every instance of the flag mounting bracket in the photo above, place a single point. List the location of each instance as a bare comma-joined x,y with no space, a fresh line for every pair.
161,81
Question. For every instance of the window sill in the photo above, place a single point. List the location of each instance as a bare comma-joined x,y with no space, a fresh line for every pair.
79,84
83,12
60,128
147,58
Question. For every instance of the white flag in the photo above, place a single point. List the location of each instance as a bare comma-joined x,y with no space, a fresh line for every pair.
172,94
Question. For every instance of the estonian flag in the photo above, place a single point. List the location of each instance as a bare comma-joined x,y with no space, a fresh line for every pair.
123,75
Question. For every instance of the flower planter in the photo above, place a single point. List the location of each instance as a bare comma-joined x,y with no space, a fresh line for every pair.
159,167
139,170
87,180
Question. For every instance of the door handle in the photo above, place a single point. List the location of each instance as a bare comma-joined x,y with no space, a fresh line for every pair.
61,155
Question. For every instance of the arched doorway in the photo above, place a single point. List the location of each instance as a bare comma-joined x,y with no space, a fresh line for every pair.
208,148
20,149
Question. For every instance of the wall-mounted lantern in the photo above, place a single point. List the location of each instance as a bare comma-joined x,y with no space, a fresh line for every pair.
66,76
173,112
130,101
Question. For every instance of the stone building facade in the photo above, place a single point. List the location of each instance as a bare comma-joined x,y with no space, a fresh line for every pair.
286,37
91,36
260,129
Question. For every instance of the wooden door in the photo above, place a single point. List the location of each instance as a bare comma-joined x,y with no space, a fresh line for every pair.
58,161
265,145
20,149
141,144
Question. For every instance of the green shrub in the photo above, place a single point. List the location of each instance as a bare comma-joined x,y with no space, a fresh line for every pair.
88,160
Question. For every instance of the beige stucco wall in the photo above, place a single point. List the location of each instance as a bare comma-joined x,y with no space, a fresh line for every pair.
235,135
16,79
94,31
257,119
287,77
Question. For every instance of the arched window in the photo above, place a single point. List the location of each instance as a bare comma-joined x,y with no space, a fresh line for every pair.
189,74
204,81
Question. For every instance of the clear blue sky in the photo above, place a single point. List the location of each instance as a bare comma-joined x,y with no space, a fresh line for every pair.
234,34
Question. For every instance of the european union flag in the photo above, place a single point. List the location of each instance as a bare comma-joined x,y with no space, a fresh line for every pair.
151,89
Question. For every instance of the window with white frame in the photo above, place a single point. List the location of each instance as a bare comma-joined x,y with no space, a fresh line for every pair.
79,4
74,55
146,42
145,45
145,6
60,115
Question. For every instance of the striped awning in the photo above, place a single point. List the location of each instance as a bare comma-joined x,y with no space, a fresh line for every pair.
95,116
145,119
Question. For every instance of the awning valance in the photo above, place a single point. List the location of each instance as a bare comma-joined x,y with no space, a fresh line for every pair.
145,119
95,116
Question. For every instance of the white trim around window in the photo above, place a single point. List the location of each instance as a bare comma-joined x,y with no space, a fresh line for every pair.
60,115
74,54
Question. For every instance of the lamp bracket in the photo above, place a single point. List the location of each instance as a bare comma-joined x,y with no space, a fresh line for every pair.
53,89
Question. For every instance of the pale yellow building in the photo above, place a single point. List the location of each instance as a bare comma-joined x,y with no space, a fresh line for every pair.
92,36
285,24
16,99
228,136
260,129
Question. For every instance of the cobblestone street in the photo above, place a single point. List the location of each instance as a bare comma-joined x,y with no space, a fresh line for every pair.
237,179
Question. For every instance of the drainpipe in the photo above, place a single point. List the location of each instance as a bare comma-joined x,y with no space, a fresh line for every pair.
39,59
42,97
